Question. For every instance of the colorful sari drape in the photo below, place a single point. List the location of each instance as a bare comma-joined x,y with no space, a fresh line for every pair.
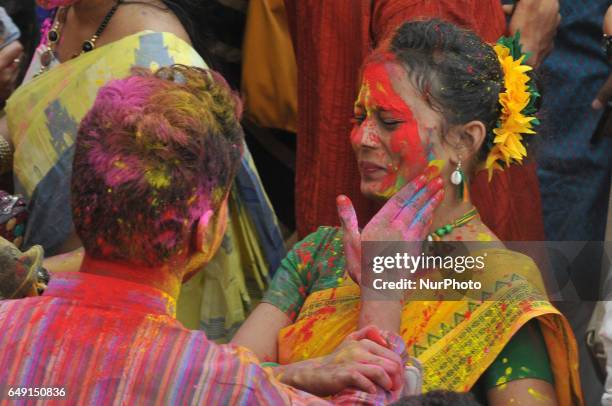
455,341
43,118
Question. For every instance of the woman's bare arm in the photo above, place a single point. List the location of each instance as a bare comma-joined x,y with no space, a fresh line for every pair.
532,392
259,333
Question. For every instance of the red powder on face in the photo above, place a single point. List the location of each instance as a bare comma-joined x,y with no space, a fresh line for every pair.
404,144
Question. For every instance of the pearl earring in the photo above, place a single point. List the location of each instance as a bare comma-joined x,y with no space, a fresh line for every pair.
458,179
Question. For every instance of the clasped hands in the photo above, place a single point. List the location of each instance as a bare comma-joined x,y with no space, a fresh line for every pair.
364,361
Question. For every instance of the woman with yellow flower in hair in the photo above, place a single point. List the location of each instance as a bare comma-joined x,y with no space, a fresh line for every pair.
436,105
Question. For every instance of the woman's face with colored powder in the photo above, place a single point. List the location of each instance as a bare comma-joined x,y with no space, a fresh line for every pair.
395,132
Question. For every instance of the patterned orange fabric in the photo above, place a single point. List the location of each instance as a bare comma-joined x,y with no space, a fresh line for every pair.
438,332
332,39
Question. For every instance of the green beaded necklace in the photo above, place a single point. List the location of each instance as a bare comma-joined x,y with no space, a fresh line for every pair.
444,230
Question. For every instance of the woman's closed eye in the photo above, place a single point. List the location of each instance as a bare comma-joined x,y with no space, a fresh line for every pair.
388,121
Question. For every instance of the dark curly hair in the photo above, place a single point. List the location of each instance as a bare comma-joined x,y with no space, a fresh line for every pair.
439,398
456,71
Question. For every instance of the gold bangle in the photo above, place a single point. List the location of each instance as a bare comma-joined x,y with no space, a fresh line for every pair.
6,156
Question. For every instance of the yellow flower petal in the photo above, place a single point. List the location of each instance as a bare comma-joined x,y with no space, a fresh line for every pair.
508,146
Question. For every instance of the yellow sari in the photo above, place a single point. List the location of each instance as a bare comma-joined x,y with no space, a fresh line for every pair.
43,117
455,341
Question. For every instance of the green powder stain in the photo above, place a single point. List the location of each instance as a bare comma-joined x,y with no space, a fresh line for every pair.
390,192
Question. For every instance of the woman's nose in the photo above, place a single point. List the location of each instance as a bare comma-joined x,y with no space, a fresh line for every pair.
365,136
369,137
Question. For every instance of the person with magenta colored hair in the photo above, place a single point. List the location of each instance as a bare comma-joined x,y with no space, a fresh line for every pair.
86,43
154,163
436,104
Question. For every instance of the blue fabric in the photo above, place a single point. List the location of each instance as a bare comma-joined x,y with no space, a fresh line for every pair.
50,217
252,196
41,15
574,174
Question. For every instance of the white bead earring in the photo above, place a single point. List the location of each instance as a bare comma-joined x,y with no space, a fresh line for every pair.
457,178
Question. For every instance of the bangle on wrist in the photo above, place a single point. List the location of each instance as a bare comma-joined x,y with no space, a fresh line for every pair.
6,156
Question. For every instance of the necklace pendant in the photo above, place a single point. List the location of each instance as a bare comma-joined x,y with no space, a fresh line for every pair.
88,46
52,36
46,57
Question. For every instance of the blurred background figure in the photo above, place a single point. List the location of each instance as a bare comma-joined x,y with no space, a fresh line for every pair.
15,54
573,165
574,162
603,101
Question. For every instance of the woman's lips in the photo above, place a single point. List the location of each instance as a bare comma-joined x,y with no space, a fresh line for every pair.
371,170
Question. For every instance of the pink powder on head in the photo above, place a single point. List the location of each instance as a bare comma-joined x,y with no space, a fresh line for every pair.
152,156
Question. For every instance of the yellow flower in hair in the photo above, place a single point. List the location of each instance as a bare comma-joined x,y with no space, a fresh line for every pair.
508,136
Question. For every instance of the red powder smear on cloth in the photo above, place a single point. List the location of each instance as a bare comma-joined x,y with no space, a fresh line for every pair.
289,332
325,310
304,256
306,330
332,296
